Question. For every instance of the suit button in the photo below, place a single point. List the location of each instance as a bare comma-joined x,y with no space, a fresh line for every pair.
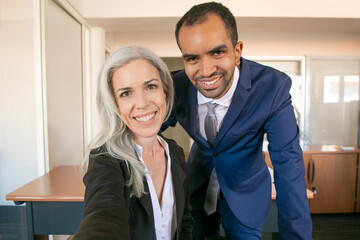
215,154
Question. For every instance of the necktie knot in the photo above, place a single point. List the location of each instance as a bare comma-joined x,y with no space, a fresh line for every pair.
211,107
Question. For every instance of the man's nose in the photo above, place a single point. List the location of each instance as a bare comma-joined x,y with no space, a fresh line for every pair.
207,67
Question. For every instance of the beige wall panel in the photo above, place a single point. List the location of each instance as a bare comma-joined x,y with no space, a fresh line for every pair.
64,87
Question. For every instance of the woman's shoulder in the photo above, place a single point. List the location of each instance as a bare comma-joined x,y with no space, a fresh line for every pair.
176,151
98,151
101,156
173,146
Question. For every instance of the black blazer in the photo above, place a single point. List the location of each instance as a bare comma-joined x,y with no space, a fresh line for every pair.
110,213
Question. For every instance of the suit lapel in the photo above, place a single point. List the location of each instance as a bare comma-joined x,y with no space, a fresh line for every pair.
188,121
239,99
192,109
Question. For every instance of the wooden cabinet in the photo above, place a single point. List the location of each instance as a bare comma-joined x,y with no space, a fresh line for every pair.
332,176
358,188
267,159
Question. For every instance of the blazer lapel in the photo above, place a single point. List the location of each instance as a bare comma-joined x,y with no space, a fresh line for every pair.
145,201
239,100
178,176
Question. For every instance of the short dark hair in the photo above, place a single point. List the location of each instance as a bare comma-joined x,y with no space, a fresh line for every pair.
199,14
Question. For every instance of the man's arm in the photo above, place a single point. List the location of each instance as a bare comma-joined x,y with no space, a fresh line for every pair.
170,122
286,156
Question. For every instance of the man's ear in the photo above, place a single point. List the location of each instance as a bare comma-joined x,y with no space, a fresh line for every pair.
238,52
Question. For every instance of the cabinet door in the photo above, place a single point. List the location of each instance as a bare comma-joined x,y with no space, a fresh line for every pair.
267,159
334,180
358,191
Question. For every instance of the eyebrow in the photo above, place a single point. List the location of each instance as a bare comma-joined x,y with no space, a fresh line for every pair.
149,81
215,49
145,83
188,55
218,48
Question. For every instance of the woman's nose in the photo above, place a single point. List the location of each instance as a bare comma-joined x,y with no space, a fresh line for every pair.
141,100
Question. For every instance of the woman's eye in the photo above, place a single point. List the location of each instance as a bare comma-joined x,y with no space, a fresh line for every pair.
125,94
152,86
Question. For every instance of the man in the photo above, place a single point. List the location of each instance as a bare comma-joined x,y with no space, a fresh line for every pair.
238,100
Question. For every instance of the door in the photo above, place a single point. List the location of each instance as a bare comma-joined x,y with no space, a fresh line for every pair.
64,94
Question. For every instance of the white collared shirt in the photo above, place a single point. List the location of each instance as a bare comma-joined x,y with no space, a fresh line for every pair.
220,110
164,215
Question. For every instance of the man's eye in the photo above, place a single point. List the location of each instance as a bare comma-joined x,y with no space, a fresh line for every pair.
190,59
217,53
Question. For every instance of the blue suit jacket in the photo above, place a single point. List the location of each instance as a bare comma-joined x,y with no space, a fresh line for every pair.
261,104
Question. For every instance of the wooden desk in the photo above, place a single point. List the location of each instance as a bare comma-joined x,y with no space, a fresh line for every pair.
54,202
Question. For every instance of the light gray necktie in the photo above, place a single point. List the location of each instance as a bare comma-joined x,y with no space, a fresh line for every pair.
210,123
213,189
212,194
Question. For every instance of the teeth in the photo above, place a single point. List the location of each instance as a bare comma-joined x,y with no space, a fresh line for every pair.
212,82
145,118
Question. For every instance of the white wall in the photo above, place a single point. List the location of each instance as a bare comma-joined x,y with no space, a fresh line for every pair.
18,122
256,43
279,27
258,8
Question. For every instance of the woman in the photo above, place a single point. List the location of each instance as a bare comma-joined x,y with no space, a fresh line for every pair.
136,185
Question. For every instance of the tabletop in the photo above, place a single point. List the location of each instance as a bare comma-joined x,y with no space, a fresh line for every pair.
63,183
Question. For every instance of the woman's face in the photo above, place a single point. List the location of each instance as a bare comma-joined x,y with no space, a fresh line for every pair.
140,97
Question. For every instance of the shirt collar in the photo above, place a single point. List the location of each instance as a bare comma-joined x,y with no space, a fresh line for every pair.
226,99
163,143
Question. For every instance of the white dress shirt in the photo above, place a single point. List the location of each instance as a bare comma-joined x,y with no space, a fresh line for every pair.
164,214
221,109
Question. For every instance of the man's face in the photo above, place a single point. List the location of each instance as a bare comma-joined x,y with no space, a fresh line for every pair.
209,56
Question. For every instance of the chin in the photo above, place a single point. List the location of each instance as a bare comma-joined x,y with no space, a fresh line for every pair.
146,134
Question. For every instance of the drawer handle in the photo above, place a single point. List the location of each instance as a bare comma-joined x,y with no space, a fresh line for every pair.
311,177
311,167
313,190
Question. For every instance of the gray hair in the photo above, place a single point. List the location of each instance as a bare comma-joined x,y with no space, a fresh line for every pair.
113,133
